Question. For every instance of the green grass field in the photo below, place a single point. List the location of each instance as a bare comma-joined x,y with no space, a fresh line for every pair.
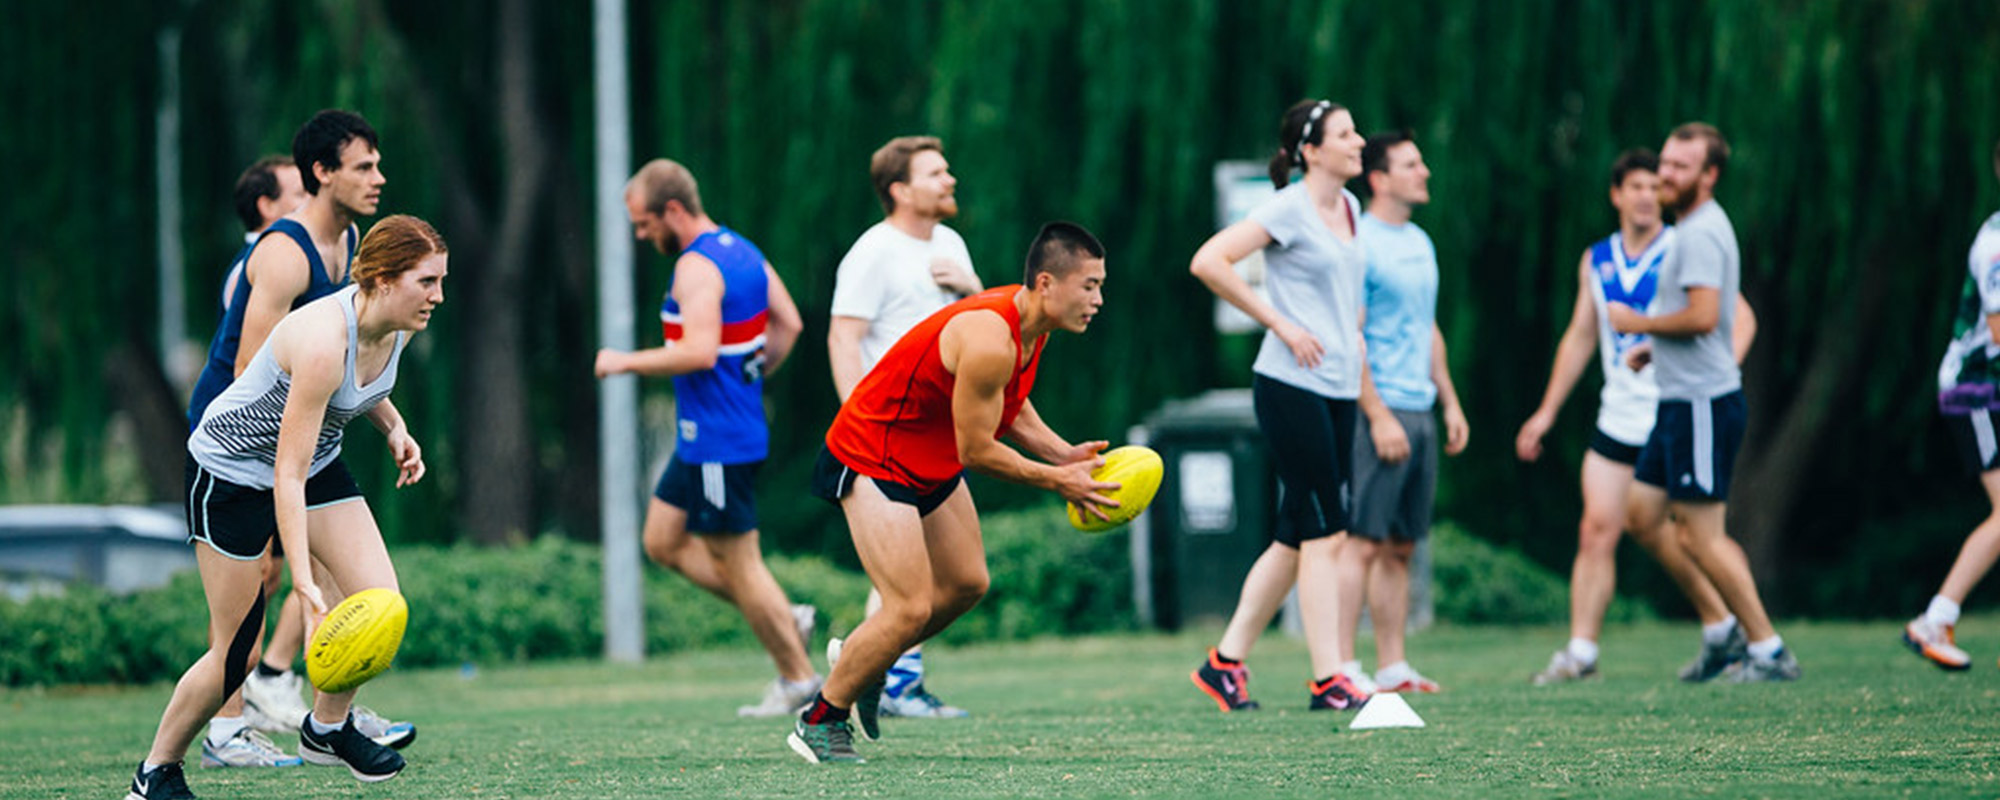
1116,716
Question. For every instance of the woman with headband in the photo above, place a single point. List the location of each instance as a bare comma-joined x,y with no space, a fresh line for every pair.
1308,376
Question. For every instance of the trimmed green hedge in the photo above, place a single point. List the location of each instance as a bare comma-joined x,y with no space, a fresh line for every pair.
543,601
1476,582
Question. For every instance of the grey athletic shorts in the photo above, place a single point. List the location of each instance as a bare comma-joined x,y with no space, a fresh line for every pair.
1394,500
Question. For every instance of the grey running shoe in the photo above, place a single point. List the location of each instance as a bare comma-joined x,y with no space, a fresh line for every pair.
166,783
1564,668
276,701
1781,667
783,697
384,731
918,702
248,748
825,743
1714,658
367,760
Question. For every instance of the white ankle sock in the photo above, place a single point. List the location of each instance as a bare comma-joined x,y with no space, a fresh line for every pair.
222,729
1767,649
1718,632
1352,668
322,729
147,767
1942,611
1584,650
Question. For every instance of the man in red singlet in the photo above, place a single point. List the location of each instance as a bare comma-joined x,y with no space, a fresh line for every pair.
936,404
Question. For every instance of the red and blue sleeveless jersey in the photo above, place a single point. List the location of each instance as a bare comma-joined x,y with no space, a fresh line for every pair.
722,408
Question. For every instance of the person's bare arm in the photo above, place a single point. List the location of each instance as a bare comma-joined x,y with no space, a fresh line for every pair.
782,330
1743,332
1215,264
1579,342
978,348
843,352
698,290
1703,313
278,273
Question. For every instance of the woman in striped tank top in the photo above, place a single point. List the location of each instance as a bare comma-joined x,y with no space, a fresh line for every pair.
264,462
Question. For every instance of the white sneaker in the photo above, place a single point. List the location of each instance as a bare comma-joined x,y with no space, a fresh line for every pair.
783,697
803,616
384,731
1565,667
248,748
275,701
1401,677
1359,677
1935,642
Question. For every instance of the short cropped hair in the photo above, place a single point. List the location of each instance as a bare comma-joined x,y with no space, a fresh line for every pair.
320,139
259,182
891,164
1375,151
1718,147
1637,159
664,179
1059,249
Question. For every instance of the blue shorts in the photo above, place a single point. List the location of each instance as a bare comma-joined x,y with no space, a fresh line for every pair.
1692,450
718,498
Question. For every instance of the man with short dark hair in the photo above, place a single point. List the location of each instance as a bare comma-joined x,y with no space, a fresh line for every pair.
1685,467
728,322
900,271
935,405
1395,455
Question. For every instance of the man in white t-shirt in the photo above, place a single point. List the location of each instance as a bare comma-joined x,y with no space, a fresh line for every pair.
900,271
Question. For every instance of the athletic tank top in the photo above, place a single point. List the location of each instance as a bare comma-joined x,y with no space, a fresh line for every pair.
237,439
1625,407
220,370
722,409
897,425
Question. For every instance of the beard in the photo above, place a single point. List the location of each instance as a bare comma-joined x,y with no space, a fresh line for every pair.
1675,200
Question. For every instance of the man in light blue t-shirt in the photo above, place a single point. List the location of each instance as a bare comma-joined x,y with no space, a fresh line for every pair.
1395,455
1686,464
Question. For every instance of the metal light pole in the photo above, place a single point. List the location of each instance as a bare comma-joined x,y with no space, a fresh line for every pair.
618,398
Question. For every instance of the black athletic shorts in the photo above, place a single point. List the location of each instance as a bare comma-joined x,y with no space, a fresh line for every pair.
1692,452
239,521
1311,439
1613,449
1972,434
832,480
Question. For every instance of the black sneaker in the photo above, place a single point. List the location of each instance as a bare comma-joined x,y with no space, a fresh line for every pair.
1338,693
1714,659
166,783
1227,685
367,760
868,710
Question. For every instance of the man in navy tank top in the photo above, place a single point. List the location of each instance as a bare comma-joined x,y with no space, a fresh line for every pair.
727,322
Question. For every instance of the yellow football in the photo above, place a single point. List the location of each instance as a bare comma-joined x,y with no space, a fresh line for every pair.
1137,470
357,640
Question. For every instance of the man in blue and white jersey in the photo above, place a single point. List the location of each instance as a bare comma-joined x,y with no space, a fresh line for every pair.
1688,458
728,322
1621,268
1968,394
